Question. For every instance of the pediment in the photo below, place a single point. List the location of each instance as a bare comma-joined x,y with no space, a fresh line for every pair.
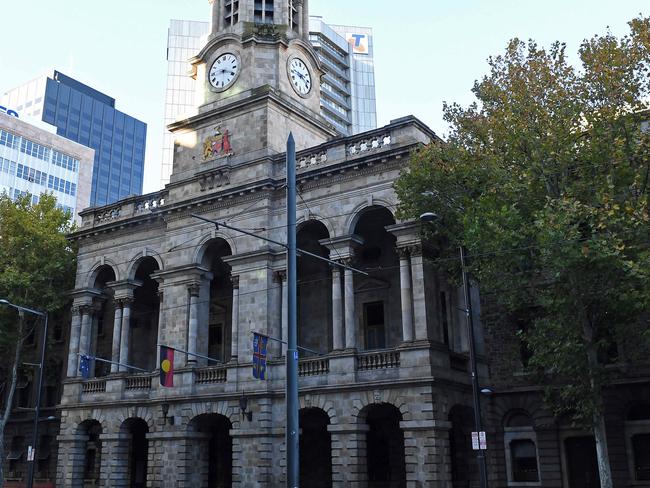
371,284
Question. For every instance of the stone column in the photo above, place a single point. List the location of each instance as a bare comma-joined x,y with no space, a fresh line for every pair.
234,340
117,336
419,295
349,455
215,16
285,310
426,452
193,326
405,294
161,314
75,337
299,19
350,315
86,325
305,20
70,460
126,333
338,341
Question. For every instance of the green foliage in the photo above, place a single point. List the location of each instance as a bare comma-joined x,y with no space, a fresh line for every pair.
37,262
545,180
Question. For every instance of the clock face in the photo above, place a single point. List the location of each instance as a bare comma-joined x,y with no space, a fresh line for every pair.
223,71
299,76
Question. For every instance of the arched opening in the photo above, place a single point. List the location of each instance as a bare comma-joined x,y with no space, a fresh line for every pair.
102,328
90,451
315,449
314,289
210,452
377,296
385,447
520,441
144,317
464,467
136,447
216,318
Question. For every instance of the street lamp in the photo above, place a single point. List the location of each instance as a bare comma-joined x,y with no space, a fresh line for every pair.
431,217
31,452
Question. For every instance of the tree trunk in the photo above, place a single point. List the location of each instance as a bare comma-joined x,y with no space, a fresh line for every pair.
602,453
10,397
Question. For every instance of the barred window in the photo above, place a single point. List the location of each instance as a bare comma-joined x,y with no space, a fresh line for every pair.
293,15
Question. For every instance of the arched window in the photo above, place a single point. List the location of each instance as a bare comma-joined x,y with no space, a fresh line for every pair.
524,460
520,440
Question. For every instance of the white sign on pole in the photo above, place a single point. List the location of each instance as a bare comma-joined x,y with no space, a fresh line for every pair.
30,453
475,443
482,440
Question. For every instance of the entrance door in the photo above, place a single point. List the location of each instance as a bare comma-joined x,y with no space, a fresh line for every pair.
582,463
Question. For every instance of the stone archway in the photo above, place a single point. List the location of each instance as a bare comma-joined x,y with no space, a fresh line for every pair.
315,449
209,451
385,455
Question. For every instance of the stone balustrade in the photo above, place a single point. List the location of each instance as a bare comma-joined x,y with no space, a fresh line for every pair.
313,367
139,382
204,376
124,209
94,386
368,144
378,360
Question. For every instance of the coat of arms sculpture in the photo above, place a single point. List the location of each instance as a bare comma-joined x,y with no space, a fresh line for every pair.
217,145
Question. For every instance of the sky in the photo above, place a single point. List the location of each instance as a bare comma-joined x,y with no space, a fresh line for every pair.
426,51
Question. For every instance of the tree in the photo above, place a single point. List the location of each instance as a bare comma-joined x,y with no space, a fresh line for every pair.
545,180
37,267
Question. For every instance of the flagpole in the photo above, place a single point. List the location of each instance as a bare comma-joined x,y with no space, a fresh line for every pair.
102,360
285,342
191,353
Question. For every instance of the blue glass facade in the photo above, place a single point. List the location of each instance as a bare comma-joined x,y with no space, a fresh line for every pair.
89,117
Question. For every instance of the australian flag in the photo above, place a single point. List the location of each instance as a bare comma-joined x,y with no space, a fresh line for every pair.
259,356
84,366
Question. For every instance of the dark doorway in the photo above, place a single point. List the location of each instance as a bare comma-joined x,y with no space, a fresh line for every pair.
315,449
373,316
210,455
464,468
138,452
385,448
581,462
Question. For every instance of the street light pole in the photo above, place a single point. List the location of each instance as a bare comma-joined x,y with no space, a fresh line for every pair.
37,409
476,392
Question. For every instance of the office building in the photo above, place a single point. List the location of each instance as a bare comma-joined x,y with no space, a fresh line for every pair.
89,117
33,160
347,89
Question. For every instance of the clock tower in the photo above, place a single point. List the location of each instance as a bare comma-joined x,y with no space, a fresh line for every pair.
257,79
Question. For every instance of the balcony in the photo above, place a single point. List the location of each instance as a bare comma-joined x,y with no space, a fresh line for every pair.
336,368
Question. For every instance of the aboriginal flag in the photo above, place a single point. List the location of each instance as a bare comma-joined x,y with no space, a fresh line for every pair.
166,366
259,356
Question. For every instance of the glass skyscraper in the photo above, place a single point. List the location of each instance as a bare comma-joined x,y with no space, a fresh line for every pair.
347,90
89,117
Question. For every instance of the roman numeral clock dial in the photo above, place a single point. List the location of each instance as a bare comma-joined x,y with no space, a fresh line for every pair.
224,71
299,76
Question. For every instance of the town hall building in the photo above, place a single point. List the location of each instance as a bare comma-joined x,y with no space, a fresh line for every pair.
385,395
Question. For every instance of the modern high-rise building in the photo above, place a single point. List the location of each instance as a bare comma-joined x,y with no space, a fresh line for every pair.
33,160
347,89
89,117
348,86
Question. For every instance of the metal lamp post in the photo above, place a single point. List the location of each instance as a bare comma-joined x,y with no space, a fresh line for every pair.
476,391
37,409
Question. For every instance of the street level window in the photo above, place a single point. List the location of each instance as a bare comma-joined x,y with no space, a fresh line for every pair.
637,430
520,439
524,460
641,448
